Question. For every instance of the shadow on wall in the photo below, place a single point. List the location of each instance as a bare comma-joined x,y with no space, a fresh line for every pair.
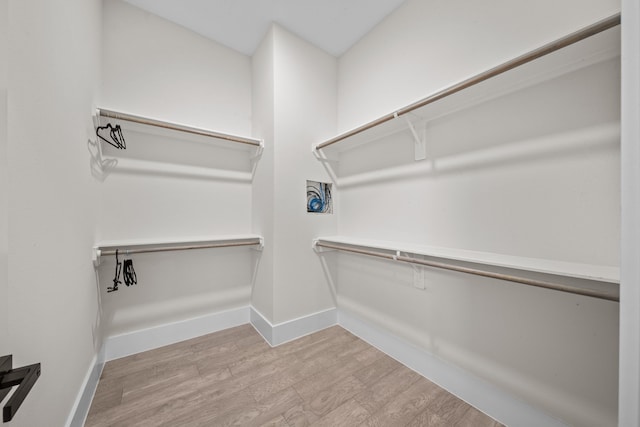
175,286
328,261
184,157
98,329
566,116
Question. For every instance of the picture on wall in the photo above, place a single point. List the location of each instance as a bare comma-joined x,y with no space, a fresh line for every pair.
319,198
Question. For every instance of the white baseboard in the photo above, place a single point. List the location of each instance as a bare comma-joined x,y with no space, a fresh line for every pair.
475,391
81,406
130,343
292,329
262,325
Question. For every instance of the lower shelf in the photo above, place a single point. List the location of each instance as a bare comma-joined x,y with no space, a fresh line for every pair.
156,245
582,279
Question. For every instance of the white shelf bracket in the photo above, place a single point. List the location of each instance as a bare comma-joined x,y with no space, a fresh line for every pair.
418,271
96,123
95,257
418,277
320,156
260,246
418,274
259,151
95,118
420,144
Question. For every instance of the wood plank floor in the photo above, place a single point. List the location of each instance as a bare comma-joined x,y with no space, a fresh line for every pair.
232,377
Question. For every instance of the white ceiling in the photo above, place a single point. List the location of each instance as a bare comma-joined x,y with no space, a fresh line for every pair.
332,25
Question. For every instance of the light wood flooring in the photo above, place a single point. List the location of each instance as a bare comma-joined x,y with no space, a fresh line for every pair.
232,377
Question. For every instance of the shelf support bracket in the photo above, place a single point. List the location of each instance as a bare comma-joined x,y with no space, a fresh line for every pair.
320,156
418,273
259,151
95,256
260,246
420,144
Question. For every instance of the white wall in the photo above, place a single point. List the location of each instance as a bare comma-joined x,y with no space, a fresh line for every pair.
263,191
305,99
294,104
54,69
425,46
522,174
159,69
534,174
192,189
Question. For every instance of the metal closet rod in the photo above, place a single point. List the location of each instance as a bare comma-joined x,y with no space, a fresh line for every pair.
518,279
172,126
177,247
565,41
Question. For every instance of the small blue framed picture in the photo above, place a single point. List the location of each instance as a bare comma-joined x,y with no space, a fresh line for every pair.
319,198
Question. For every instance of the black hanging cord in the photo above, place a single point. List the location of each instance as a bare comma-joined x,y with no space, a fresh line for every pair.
115,133
128,273
116,279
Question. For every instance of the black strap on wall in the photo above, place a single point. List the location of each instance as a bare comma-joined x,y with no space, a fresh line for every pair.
24,378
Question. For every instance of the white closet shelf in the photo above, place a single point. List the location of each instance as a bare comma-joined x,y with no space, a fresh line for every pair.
599,273
146,124
590,45
608,276
109,247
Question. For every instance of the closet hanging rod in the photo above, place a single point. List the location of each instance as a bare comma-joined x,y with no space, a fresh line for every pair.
558,44
176,247
518,279
177,127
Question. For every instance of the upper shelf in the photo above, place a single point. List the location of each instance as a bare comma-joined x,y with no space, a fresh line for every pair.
175,129
128,143
592,44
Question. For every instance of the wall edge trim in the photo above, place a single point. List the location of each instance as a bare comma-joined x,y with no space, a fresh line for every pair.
80,409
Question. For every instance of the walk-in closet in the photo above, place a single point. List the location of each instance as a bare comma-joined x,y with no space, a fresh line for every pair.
304,213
